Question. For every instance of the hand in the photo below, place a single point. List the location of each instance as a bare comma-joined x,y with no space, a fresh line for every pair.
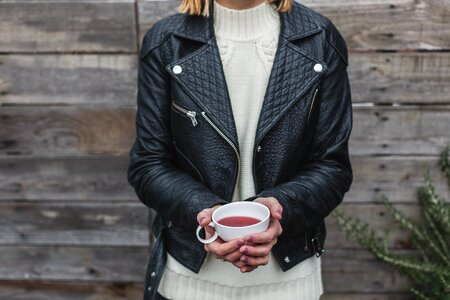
226,251
257,247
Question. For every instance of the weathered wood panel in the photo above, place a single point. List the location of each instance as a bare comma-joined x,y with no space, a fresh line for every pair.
407,77
116,224
397,177
405,130
378,218
151,11
38,290
371,296
103,178
357,271
68,130
389,25
411,130
25,290
68,79
78,264
64,178
67,26
127,265
365,24
111,79
63,223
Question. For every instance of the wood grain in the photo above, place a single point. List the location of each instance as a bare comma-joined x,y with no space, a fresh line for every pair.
69,26
39,290
379,219
389,25
77,264
103,178
81,224
71,178
404,77
421,78
404,130
83,79
127,265
357,271
365,24
367,296
379,130
66,130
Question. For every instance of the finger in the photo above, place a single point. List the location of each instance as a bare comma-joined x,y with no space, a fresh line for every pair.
258,250
247,268
223,249
267,236
255,261
204,217
233,256
238,263
276,210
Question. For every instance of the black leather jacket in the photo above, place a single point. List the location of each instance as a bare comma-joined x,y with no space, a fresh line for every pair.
186,154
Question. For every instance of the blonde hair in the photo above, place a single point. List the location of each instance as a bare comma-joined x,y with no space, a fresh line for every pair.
201,7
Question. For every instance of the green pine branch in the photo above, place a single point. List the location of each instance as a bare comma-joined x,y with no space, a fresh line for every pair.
428,265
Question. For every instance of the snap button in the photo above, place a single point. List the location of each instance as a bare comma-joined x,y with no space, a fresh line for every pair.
258,149
149,289
153,274
177,69
287,259
318,68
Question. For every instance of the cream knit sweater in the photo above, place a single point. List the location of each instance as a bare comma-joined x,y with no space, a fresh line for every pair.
247,41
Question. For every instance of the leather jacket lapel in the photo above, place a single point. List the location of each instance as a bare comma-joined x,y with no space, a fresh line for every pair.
291,76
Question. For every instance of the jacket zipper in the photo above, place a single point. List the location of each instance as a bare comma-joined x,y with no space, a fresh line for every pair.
312,105
229,142
190,113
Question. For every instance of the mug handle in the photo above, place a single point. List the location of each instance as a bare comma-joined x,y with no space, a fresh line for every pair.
211,239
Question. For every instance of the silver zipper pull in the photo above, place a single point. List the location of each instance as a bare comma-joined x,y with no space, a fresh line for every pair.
192,114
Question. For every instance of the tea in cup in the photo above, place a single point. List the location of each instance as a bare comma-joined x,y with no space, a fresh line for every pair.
237,220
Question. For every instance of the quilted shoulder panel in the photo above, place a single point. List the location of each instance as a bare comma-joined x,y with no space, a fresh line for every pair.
333,36
159,32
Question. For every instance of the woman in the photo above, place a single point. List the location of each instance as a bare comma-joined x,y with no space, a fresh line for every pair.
241,100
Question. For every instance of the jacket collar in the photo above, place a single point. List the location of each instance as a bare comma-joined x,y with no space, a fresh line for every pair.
292,72
296,24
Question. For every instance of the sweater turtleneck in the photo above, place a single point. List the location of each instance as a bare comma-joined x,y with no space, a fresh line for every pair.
244,24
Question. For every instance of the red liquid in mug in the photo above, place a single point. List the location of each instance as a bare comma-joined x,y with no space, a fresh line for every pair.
238,221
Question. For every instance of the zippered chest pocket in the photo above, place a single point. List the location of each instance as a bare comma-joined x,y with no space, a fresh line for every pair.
190,114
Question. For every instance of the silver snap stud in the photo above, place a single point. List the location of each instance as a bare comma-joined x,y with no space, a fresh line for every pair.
287,259
258,149
153,274
177,69
149,289
318,68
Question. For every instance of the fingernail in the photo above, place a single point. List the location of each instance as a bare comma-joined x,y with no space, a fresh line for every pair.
244,250
202,219
250,239
278,212
240,243
244,259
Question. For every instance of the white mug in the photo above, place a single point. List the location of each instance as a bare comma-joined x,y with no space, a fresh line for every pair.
237,209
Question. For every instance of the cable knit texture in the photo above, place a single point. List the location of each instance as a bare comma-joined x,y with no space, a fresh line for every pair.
247,41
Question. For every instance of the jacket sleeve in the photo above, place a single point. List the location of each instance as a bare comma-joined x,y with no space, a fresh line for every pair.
152,173
326,175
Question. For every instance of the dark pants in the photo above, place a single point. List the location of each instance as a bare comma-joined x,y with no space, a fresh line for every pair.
159,297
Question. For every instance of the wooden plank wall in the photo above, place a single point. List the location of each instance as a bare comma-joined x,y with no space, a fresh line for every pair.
71,227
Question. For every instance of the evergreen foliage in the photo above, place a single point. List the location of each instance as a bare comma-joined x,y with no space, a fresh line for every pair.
428,265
